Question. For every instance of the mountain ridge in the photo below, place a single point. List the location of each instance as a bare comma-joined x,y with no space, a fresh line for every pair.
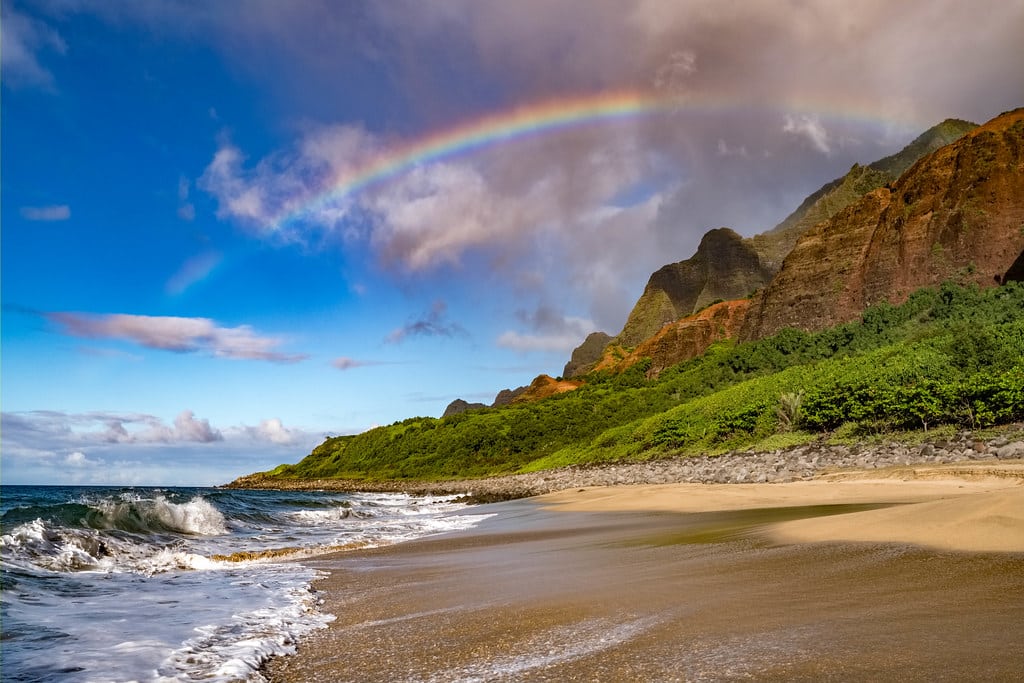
668,297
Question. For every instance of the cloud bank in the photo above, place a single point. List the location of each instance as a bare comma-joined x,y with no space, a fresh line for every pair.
138,448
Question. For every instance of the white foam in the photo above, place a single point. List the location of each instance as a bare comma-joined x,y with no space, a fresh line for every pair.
196,516
235,651
551,647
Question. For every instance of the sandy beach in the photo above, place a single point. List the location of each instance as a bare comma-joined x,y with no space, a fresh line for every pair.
911,574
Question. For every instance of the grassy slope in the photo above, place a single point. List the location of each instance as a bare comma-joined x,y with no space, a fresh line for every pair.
949,356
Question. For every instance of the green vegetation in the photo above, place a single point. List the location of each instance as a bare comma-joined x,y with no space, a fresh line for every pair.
951,356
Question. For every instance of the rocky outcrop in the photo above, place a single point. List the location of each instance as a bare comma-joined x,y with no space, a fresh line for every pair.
682,340
507,396
544,386
459,406
586,355
724,267
541,387
958,213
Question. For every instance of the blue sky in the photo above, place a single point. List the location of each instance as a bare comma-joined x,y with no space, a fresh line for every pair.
161,327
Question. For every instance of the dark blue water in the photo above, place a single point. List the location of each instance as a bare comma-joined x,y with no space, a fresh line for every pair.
167,584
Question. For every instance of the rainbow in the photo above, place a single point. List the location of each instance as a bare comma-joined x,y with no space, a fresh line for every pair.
532,119
543,117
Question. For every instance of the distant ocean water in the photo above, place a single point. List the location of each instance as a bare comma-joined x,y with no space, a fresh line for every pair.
177,584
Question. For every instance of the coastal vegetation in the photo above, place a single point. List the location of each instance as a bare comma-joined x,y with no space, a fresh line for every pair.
951,355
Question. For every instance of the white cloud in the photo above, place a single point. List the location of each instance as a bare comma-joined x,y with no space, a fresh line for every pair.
274,431
78,459
725,150
674,74
106,447
24,40
550,331
291,184
182,335
188,428
58,212
810,127
518,341
435,213
43,432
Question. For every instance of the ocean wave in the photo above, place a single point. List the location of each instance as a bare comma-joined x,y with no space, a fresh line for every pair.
158,514
39,545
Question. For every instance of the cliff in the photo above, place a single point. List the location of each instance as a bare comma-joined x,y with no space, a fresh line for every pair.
957,213
724,267
833,197
586,354
543,387
681,340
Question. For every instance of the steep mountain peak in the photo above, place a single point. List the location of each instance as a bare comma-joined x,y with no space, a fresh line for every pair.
724,267
686,338
586,354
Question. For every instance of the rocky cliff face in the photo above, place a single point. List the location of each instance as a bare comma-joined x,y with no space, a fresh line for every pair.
724,267
586,354
544,386
833,197
681,340
958,213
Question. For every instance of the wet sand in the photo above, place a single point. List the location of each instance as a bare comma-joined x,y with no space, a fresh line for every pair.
620,585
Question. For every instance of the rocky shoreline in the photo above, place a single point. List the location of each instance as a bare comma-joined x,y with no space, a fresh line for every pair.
743,467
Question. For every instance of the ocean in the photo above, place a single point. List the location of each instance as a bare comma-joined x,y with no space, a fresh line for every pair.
178,584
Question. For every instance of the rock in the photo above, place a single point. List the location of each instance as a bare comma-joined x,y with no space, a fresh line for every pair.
681,340
586,355
459,406
1011,450
506,396
724,267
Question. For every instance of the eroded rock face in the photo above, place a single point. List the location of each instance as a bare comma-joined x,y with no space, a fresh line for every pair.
586,354
681,340
544,386
506,396
725,267
958,213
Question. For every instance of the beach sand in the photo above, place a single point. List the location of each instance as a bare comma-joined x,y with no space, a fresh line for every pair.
810,581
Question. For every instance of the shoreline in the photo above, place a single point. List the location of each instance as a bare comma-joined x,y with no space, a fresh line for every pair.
800,463
693,582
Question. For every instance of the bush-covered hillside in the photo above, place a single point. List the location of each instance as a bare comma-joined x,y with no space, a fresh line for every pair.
952,355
